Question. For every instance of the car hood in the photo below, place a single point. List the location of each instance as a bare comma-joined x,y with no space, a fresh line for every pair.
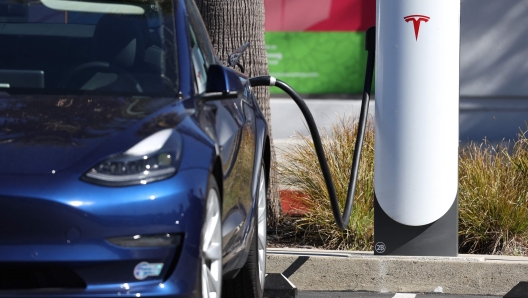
45,135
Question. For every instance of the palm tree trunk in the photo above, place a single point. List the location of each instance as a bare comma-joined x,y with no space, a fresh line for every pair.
232,23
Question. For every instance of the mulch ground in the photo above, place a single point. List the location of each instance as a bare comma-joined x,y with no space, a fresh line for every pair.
286,234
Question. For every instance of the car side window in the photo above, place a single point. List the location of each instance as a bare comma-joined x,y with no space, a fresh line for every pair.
200,31
199,64
201,48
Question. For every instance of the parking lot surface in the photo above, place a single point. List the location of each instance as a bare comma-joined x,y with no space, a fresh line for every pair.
306,294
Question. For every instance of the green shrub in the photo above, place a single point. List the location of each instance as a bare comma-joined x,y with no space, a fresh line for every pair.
493,193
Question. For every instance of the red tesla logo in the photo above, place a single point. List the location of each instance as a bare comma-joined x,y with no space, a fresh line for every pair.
416,19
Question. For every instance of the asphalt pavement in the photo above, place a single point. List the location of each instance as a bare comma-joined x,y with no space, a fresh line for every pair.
381,295
493,119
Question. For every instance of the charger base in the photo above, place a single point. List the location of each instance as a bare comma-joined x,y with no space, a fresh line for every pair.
439,238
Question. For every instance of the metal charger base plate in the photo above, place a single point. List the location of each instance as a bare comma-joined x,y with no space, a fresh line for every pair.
439,238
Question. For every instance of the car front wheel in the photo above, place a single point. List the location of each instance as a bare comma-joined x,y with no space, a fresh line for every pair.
211,249
249,282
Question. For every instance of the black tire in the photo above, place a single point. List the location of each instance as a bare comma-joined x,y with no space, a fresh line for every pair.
248,283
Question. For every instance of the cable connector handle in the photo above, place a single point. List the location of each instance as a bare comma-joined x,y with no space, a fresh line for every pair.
263,81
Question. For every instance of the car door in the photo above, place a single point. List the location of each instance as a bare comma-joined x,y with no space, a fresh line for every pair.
233,125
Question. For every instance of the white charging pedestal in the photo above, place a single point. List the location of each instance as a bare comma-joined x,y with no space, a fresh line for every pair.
416,149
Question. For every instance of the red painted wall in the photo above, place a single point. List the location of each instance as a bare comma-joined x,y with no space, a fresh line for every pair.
320,15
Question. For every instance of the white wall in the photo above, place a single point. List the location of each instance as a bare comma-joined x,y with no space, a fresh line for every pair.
494,48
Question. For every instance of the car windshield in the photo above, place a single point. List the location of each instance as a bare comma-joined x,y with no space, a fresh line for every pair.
63,47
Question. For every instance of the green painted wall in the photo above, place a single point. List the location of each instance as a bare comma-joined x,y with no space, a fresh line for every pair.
318,62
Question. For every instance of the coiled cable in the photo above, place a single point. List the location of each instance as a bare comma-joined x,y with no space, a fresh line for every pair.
342,220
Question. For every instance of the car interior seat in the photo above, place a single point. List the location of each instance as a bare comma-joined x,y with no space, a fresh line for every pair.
118,50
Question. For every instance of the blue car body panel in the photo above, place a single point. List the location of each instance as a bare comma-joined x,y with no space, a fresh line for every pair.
55,225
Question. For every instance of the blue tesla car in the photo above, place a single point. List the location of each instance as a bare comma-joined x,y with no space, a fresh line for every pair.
132,164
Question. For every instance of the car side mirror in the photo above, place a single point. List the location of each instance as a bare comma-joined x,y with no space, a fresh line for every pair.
222,83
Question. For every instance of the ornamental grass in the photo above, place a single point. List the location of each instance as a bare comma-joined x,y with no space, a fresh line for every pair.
300,170
493,192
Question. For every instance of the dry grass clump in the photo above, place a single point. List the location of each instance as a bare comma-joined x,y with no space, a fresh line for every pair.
493,193
300,169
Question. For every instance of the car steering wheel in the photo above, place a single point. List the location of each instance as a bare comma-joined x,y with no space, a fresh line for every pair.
79,75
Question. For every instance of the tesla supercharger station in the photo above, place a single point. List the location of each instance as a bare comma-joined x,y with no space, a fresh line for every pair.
416,149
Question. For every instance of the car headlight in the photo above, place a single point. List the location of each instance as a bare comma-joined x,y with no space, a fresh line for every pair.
154,158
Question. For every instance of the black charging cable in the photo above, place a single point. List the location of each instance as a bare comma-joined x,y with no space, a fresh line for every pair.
341,220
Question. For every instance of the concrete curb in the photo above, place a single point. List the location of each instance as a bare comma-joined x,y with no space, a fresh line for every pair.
321,270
